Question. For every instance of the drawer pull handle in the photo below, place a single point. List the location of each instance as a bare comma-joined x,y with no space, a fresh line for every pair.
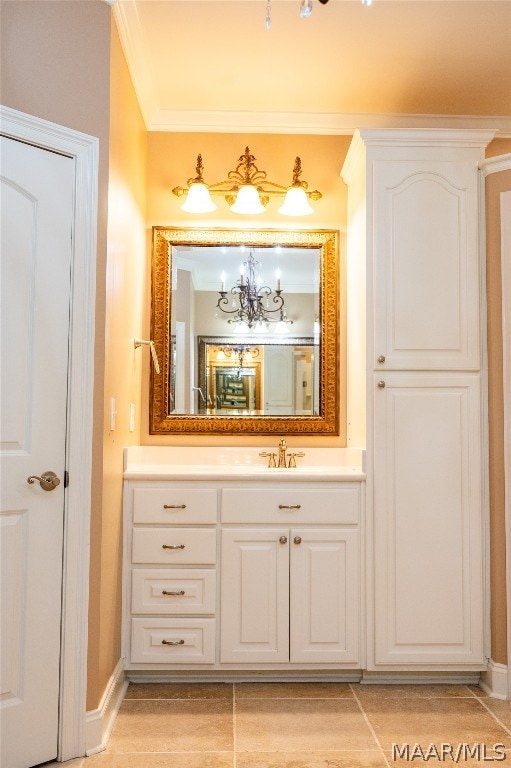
166,592
172,642
174,506
173,546
290,506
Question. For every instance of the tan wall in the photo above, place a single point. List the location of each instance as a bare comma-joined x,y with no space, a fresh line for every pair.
55,65
171,162
123,322
495,184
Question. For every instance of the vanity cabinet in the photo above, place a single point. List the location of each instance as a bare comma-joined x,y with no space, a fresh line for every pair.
415,266
290,594
229,575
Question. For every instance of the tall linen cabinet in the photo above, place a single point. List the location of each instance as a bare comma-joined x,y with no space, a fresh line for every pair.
416,388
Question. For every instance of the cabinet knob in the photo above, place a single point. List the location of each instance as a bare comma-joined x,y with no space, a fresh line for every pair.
381,385
297,539
283,539
381,358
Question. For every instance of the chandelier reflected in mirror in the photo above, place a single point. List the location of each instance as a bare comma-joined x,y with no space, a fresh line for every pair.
240,354
251,304
247,190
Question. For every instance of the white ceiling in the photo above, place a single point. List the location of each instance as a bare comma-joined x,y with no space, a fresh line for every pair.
299,267
211,65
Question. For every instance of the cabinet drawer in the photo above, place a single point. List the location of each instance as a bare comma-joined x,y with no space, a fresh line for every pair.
174,505
174,546
288,506
173,641
173,591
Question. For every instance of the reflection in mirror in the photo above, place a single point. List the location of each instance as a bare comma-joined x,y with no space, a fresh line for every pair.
246,323
267,377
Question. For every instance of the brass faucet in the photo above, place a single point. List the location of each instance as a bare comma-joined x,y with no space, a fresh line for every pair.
282,453
284,460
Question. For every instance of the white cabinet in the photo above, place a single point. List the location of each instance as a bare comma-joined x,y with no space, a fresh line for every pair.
270,570
426,263
255,596
414,264
427,520
170,580
324,596
290,593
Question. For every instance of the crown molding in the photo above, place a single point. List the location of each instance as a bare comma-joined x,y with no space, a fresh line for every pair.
496,164
130,30
325,123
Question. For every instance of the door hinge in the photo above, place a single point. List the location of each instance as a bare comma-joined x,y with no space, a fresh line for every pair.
66,478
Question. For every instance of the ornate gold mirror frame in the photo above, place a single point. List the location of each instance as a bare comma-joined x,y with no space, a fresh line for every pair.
161,421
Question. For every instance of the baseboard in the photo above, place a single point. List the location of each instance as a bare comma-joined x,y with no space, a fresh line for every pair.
494,680
99,722
419,678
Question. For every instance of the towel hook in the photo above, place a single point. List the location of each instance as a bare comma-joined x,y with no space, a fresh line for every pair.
138,343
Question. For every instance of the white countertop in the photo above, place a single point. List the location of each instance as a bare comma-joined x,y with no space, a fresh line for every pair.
219,463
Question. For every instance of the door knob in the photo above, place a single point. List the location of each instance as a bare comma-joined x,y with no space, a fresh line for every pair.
381,385
381,358
283,539
48,480
297,539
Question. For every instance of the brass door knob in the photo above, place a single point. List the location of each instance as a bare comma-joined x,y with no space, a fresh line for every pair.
48,480
381,358
283,539
297,539
381,385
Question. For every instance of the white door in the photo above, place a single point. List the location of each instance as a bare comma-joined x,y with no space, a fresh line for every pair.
255,595
428,549
36,220
278,380
324,596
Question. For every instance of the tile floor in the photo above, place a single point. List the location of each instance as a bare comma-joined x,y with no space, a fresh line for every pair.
301,725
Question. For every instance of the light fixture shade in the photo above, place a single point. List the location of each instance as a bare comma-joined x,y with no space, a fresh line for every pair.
296,203
247,201
198,199
281,327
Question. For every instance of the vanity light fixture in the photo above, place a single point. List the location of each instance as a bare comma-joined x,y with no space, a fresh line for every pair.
251,304
247,190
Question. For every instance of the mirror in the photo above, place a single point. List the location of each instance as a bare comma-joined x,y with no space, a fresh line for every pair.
246,327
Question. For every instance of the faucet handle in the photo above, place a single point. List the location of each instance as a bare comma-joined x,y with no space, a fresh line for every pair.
271,457
292,459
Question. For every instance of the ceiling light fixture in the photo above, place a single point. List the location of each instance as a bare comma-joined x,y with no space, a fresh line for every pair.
305,9
247,190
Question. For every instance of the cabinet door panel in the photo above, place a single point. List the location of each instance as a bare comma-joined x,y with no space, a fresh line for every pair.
427,520
426,267
324,596
255,596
